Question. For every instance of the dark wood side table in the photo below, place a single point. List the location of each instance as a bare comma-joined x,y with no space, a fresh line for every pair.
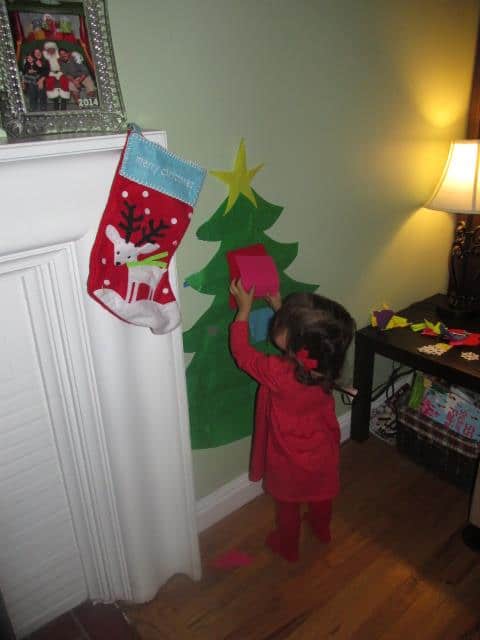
401,345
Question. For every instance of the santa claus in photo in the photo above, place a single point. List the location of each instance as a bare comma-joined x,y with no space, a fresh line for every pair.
56,83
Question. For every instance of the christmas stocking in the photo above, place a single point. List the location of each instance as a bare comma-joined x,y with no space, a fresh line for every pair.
148,211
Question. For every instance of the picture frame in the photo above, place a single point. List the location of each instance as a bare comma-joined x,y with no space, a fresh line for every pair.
57,69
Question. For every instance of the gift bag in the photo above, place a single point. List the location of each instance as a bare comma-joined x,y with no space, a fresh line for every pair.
148,210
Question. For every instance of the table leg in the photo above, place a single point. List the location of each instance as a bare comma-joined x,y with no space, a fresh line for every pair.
362,381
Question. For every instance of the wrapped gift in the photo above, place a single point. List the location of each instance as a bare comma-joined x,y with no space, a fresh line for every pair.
454,408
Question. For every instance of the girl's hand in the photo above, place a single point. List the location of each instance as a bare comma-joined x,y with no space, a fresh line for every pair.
275,300
244,299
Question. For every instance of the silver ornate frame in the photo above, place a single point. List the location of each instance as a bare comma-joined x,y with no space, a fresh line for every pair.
108,117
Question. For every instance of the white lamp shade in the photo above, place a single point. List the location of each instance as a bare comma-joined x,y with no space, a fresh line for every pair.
458,189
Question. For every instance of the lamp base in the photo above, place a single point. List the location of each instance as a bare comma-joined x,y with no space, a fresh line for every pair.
452,315
471,537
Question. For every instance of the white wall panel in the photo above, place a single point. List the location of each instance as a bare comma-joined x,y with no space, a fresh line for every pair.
40,565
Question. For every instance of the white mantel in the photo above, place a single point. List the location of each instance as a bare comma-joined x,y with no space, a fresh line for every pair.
34,149
105,435
69,177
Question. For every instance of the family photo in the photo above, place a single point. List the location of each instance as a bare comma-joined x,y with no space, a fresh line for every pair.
54,60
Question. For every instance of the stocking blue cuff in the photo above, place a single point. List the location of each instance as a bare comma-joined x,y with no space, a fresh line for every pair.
151,165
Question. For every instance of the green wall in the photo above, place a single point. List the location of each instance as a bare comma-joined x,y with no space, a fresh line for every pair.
350,104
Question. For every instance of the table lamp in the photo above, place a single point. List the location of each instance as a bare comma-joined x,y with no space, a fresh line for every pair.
459,192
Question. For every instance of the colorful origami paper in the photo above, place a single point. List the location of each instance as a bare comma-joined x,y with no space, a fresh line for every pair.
397,322
439,329
455,337
471,340
385,319
435,328
418,326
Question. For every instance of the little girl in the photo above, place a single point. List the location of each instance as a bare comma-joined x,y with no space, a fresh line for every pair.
297,437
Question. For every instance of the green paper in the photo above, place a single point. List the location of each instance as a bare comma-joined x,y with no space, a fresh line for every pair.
221,397
419,326
417,392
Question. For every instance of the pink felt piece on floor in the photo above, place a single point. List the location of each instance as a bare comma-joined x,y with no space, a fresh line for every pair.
232,559
258,271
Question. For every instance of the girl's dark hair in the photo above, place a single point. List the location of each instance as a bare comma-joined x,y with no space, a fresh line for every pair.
321,326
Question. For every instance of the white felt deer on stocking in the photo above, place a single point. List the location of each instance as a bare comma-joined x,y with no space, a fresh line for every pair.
148,271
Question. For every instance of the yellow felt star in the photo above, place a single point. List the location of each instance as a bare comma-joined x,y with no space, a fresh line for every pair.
239,179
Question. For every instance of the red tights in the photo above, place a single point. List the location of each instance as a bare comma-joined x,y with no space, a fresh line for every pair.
285,537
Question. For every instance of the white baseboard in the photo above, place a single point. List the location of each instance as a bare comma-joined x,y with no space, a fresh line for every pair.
239,491
225,500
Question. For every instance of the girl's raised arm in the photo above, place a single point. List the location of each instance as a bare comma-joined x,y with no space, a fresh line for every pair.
264,369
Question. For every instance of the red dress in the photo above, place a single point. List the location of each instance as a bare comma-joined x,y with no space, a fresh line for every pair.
296,444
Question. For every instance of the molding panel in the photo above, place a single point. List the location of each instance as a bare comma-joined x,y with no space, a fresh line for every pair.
58,508
45,534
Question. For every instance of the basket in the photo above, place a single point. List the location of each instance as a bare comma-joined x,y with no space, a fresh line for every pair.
449,455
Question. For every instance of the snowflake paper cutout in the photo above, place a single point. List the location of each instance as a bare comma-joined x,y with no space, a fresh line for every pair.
435,349
470,355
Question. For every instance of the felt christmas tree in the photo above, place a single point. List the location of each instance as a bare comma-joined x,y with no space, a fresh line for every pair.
221,397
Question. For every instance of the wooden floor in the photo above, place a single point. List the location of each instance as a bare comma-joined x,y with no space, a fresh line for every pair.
396,567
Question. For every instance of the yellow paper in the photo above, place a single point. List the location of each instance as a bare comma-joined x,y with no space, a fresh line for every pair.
443,346
419,326
396,322
433,327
